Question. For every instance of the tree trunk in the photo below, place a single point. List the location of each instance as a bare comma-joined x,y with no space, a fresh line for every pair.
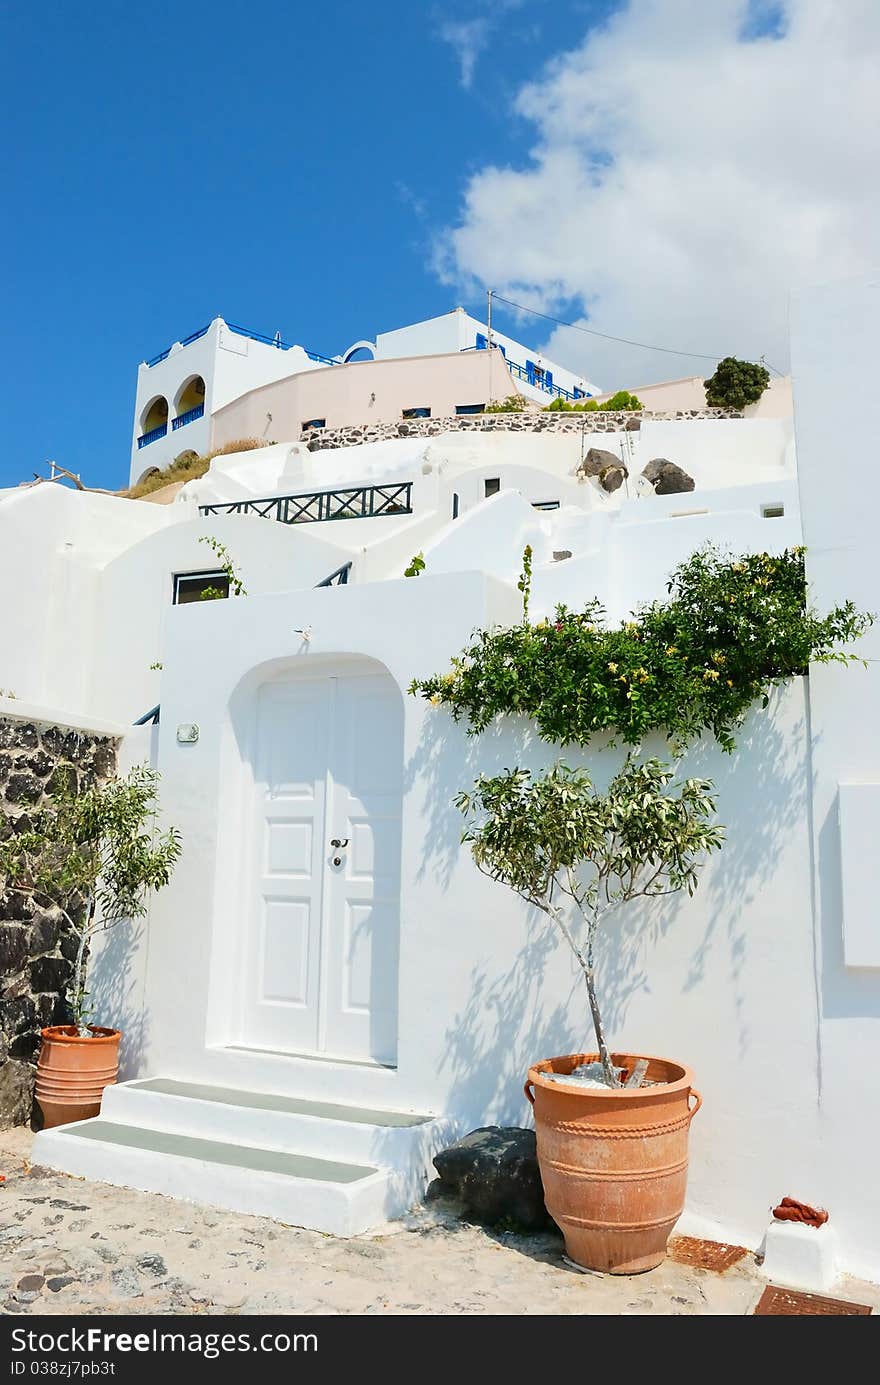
586,966
78,991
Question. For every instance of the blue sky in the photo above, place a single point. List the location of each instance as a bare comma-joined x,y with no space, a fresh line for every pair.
284,166
665,171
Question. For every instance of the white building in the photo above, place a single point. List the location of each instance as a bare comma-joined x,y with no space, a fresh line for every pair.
328,977
182,390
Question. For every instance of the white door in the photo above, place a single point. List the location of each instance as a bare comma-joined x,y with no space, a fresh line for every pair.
321,964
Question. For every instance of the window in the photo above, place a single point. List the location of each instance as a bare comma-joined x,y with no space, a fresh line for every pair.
545,504
455,504
193,586
470,408
482,342
772,511
417,413
314,423
491,486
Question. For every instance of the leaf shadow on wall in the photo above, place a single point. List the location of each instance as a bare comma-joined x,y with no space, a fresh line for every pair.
115,991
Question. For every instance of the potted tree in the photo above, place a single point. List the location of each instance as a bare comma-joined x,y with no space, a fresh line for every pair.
612,1128
95,856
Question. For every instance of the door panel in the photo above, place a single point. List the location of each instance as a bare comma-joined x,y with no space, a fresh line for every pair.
283,960
363,892
322,955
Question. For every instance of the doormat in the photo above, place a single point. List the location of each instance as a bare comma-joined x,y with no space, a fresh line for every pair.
705,1255
788,1302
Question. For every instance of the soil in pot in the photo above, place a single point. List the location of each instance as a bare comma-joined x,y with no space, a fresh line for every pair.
613,1160
73,1071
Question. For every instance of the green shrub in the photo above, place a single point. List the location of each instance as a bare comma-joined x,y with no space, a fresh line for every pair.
623,400
736,384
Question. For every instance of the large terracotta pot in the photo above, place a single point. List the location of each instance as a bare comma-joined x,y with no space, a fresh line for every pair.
72,1072
613,1161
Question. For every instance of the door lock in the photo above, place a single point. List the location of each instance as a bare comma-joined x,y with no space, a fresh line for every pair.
339,842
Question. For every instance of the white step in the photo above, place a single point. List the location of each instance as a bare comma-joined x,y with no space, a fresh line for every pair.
330,1167
340,1198
329,1130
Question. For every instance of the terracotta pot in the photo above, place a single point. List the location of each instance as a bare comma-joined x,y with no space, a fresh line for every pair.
72,1072
613,1161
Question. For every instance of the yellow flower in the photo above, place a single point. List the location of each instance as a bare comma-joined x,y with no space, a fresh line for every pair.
718,658
671,649
449,679
434,701
730,682
711,674
622,678
612,668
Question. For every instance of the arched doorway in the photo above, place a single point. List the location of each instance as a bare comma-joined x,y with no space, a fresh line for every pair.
189,404
360,351
321,952
154,420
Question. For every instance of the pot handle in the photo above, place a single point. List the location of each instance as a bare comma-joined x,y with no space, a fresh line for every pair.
693,1092
529,1093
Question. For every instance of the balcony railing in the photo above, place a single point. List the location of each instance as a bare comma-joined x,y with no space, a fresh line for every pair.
189,417
359,502
338,578
153,436
253,336
532,374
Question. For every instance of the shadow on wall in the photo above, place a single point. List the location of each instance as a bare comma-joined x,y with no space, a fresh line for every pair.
511,1016
115,991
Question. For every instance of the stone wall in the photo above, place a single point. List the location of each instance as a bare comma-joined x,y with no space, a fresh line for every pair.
37,948
529,421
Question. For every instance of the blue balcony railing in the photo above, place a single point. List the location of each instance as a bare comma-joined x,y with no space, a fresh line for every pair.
531,373
153,436
189,417
253,336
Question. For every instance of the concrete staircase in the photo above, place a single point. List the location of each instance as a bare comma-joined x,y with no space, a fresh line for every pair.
334,1168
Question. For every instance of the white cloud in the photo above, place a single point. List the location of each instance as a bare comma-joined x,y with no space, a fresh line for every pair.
467,38
682,180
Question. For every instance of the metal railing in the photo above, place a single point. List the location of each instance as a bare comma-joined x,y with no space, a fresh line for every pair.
245,332
357,502
339,578
150,718
153,436
189,417
537,377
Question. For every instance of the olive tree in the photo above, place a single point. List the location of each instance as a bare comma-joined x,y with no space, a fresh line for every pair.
566,848
94,855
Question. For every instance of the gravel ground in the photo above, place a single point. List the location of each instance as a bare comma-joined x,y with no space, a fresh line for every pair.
68,1246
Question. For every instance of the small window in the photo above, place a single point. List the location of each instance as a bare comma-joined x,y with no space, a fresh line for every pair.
470,408
314,423
772,511
545,504
482,342
417,413
199,586
491,486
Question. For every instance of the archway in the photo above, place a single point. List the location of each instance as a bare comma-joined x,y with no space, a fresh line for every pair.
189,404
360,351
154,419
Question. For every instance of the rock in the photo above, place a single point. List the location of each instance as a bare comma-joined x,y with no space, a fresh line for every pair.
612,478
61,1281
50,973
494,1170
14,947
14,735
124,1283
45,934
560,554
597,460
152,1264
24,787
667,477
16,1092
31,1283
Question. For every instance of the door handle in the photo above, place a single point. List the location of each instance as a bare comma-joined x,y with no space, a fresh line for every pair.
339,841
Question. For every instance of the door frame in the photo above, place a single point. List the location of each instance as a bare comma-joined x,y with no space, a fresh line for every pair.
237,782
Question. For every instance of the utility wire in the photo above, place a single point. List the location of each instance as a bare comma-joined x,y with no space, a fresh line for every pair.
606,336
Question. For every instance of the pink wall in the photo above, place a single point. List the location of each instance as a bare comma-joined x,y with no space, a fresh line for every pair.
689,393
363,393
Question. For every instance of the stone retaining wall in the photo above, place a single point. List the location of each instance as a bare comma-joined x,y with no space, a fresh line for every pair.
529,421
37,948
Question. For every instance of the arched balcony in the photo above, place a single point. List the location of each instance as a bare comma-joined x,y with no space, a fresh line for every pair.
154,421
189,404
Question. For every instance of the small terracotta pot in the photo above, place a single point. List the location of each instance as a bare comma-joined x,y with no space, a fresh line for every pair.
613,1160
72,1072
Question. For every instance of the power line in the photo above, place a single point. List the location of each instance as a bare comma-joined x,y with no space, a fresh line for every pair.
606,336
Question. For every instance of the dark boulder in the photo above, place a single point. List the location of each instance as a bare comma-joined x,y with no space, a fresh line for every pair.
597,460
494,1170
612,478
667,477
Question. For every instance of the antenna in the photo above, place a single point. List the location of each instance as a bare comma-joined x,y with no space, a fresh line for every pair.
489,337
